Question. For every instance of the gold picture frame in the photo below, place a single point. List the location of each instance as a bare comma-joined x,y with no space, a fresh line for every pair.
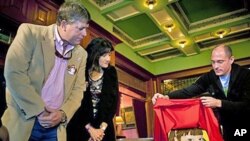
128,116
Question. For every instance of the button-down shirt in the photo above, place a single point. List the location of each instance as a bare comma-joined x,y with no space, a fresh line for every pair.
53,89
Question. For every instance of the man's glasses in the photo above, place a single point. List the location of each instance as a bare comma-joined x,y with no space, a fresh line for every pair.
58,54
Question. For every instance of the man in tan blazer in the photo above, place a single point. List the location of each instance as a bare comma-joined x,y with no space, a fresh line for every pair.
45,76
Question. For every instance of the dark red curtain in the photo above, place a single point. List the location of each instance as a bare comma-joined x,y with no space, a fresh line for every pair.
140,117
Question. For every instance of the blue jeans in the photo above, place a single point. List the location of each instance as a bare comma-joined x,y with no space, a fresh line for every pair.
40,133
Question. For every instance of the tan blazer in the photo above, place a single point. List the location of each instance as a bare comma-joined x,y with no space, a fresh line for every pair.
29,61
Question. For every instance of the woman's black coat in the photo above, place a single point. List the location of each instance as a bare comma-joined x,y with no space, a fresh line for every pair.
106,110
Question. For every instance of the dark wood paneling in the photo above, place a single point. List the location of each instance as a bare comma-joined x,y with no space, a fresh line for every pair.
14,9
44,12
31,11
131,82
130,67
15,12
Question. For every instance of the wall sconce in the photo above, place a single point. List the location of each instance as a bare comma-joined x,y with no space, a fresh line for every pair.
183,43
119,120
169,27
151,4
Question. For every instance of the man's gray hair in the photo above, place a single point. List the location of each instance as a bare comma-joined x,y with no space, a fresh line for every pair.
72,11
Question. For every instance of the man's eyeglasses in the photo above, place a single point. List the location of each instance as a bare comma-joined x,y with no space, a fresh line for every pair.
58,54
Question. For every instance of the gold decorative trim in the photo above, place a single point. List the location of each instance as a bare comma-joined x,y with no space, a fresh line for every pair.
141,42
233,16
103,4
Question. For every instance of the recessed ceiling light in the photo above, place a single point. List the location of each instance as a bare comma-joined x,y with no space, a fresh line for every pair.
169,27
151,4
182,43
221,32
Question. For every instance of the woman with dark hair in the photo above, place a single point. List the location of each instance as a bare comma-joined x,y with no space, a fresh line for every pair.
94,119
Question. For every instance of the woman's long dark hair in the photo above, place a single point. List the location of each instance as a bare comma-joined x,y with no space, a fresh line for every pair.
96,48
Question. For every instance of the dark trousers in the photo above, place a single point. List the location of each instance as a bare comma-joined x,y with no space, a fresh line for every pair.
40,133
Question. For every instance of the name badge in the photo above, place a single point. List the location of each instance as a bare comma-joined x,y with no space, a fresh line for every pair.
72,69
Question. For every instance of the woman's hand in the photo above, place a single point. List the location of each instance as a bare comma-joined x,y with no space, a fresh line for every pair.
96,134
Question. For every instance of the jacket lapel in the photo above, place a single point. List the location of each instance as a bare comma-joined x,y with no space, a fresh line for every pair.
48,47
74,61
218,83
234,74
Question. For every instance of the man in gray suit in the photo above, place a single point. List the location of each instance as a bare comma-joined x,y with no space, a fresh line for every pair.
45,76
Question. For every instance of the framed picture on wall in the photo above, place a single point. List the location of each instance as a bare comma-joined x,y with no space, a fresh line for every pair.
128,116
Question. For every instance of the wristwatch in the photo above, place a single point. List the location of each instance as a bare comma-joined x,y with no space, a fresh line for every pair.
103,128
64,117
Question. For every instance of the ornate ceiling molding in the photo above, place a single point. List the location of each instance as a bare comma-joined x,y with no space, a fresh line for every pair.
103,4
141,42
157,34
222,19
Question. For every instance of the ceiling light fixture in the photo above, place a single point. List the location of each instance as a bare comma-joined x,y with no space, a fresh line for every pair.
119,120
151,4
221,33
169,27
182,43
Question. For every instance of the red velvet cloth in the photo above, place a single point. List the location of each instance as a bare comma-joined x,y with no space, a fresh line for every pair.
184,113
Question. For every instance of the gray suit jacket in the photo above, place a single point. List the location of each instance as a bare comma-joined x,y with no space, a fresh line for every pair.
29,61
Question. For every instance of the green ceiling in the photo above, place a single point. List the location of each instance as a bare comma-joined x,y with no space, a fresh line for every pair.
137,25
148,42
197,10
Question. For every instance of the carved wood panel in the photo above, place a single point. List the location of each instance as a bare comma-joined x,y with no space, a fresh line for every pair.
14,9
43,12
32,11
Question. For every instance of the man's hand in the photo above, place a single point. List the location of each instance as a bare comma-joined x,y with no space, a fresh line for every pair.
210,102
158,95
4,134
50,118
